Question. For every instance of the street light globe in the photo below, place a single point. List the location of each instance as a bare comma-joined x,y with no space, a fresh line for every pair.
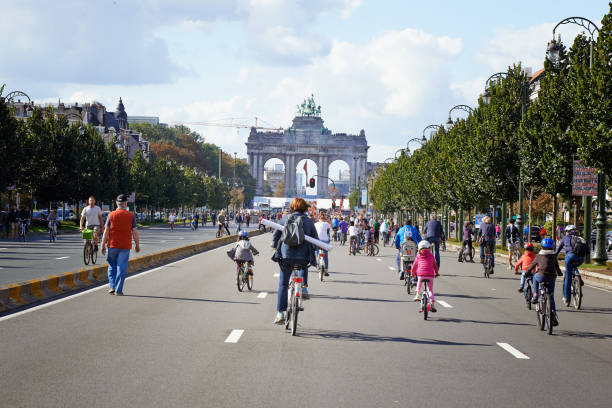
486,96
449,122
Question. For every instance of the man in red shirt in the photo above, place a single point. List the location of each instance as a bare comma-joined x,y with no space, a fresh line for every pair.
118,232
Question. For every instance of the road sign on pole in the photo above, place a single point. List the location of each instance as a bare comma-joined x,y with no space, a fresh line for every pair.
584,182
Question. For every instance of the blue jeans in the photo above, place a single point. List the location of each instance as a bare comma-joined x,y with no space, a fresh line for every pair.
491,244
283,284
326,255
117,267
537,279
436,242
571,264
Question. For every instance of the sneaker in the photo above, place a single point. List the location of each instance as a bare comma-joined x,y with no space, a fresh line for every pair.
581,281
534,300
401,275
554,320
520,289
433,308
280,318
566,302
95,248
492,271
326,273
417,298
305,295
118,293
111,291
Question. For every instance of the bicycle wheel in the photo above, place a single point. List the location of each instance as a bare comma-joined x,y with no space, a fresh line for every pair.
86,253
542,312
424,304
239,280
549,315
528,295
249,282
407,283
321,273
576,292
93,256
376,249
294,315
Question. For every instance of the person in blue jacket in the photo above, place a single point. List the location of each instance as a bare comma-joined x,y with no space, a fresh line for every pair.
406,230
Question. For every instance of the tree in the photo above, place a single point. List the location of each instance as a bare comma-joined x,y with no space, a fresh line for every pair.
236,198
280,190
10,147
355,198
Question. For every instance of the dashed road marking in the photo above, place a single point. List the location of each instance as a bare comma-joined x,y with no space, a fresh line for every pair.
443,303
262,295
2,249
234,336
63,257
513,351
379,260
493,289
391,268
276,275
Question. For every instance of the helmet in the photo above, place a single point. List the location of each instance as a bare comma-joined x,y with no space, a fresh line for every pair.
529,245
569,227
424,244
548,243
243,234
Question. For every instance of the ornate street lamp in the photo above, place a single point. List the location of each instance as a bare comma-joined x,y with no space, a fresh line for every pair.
553,52
424,139
465,108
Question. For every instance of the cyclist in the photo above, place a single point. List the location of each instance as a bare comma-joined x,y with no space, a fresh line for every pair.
512,239
486,236
223,223
343,225
524,262
468,231
402,234
367,238
301,254
244,251
547,267
52,219
323,229
433,233
335,225
353,233
91,216
574,257
24,219
171,219
425,268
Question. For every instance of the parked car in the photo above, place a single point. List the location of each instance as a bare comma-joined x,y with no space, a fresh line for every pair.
535,234
38,218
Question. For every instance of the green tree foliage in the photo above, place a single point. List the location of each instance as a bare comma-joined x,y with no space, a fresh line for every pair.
10,148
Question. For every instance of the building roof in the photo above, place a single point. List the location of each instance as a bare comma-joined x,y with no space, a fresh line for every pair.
536,75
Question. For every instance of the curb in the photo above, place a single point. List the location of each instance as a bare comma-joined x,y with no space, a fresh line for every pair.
594,278
21,294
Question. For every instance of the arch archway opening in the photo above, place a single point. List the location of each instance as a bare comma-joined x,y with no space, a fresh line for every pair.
305,169
274,178
340,172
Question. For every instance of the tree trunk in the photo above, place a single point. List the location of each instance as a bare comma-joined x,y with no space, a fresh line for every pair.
554,220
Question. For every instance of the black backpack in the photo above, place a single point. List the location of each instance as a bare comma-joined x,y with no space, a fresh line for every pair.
579,245
293,233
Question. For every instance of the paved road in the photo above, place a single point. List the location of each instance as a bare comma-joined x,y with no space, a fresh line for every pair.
361,343
38,258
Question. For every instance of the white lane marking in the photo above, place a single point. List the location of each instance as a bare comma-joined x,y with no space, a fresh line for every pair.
63,257
493,289
262,295
391,268
443,303
163,242
379,260
276,275
234,336
592,287
2,249
513,351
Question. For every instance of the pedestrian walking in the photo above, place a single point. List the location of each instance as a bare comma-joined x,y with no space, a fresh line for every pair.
13,218
118,233
247,218
197,219
433,234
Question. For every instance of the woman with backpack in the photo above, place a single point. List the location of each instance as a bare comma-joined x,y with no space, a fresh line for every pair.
576,249
289,252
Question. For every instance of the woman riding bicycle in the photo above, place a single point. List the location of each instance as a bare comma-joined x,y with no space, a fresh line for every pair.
288,256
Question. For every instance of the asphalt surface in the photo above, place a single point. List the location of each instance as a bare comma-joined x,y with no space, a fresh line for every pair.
360,342
38,258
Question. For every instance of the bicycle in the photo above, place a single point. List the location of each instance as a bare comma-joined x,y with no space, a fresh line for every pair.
514,254
528,291
465,251
294,300
88,250
544,310
425,305
443,246
487,261
52,231
321,265
407,256
576,290
354,246
244,277
23,230
222,229
371,249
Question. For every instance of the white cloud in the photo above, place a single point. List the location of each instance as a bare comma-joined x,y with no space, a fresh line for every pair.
469,90
349,7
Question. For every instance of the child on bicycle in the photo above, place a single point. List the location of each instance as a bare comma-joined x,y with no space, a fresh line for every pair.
546,268
524,262
425,268
244,251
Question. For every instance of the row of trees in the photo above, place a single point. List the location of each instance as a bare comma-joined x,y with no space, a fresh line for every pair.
48,159
480,159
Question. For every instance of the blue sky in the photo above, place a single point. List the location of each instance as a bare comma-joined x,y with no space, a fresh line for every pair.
389,67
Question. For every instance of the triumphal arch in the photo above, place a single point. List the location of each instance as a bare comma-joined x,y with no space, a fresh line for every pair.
307,138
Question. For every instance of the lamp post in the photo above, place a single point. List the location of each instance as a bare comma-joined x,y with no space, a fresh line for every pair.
235,168
601,256
486,98
465,108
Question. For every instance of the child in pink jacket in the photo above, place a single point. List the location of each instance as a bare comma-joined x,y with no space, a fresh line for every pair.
425,268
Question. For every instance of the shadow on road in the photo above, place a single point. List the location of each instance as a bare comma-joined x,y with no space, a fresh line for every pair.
356,336
358,299
456,295
455,320
598,310
583,335
190,299
347,273
361,283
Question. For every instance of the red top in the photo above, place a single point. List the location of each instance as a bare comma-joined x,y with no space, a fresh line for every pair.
120,223
525,261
